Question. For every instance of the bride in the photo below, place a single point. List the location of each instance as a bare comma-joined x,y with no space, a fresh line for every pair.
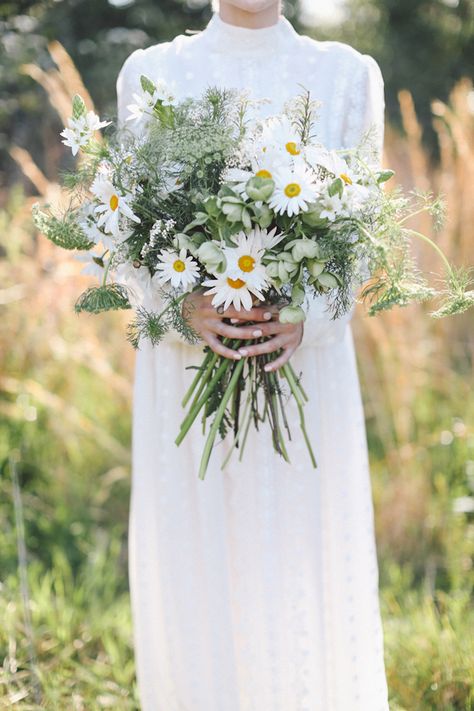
257,588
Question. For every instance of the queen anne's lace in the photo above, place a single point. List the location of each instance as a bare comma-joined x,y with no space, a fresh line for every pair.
256,590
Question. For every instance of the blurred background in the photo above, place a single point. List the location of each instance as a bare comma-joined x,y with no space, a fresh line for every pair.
65,379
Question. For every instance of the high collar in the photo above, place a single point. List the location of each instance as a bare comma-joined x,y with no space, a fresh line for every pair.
234,38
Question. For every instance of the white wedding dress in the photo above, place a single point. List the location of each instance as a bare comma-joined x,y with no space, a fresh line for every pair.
257,588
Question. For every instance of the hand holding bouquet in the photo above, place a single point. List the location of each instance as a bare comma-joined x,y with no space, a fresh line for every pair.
202,199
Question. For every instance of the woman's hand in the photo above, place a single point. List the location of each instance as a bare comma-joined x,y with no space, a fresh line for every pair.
208,323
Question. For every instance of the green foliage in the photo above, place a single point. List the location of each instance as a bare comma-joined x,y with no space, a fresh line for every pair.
107,297
63,231
78,107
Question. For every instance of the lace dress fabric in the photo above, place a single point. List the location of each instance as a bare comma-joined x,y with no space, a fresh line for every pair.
257,588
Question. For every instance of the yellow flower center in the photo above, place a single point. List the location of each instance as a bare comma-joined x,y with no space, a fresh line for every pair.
292,148
246,263
235,283
263,174
292,190
113,202
346,178
179,265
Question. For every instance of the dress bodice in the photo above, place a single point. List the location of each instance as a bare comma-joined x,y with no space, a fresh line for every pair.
272,63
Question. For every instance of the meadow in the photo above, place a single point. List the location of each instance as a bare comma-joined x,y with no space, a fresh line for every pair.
65,398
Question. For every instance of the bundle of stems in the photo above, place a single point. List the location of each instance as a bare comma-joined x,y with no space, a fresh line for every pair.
239,388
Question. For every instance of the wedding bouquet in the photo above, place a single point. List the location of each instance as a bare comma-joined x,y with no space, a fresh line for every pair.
248,211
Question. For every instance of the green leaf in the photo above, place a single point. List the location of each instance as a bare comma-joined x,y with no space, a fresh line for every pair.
247,222
147,85
328,280
313,219
200,219
297,294
263,215
385,175
336,187
78,107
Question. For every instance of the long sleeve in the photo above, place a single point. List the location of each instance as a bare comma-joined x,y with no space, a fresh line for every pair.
364,110
366,107
126,85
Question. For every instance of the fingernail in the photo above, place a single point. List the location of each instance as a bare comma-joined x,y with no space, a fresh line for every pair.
234,320
267,367
237,356
257,333
243,351
267,315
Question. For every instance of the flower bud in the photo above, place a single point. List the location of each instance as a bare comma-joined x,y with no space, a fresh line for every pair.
292,314
259,188
305,247
211,255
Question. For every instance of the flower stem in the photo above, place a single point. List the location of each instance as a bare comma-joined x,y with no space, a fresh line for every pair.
218,417
194,411
203,374
293,386
437,249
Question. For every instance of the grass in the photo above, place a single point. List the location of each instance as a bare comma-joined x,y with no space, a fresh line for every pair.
65,394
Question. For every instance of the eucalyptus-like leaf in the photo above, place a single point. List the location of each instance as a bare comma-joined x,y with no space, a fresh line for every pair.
328,280
297,293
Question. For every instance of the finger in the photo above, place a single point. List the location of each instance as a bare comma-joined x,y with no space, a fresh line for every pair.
273,327
223,329
219,348
273,344
280,360
256,313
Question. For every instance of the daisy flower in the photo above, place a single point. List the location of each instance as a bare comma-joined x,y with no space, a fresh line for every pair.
179,269
112,205
279,134
228,290
294,189
335,164
81,130
266,240
244,274
244,261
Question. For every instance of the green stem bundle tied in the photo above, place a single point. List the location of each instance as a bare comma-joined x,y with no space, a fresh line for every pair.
218,374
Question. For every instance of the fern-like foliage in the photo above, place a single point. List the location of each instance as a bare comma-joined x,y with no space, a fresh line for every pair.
63,231
148,325
108,297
